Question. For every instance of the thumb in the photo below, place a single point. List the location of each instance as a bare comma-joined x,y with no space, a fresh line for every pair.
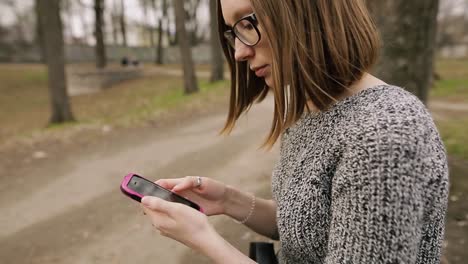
156,204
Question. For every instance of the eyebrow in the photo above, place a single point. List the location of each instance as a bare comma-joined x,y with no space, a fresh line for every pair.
239,14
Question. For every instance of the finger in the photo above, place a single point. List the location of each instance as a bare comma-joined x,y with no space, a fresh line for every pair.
168,183
154,214
159,220
158,204
189,182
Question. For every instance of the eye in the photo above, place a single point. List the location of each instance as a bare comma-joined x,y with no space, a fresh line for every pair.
248,26
245,25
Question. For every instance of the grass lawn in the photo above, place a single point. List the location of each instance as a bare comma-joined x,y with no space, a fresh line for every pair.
453,83
24,100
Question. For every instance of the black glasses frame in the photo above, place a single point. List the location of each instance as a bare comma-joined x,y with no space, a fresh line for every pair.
231,34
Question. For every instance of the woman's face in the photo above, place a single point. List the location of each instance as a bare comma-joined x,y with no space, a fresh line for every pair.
259,56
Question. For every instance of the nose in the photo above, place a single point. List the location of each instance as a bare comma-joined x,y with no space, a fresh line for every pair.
242,51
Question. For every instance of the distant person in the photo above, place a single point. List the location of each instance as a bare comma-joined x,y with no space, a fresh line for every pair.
135,62
124,61
362,175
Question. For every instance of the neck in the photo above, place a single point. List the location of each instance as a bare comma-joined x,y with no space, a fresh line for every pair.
367,81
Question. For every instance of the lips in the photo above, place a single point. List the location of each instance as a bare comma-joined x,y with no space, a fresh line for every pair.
260,71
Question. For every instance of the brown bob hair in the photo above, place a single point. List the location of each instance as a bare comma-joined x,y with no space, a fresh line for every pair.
319,49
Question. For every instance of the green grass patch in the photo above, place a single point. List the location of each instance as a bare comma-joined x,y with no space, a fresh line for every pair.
453,82
172,98
24,100
454,132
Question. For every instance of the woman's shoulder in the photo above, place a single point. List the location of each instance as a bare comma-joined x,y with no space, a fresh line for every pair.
383,110
383,104
387,111
384,100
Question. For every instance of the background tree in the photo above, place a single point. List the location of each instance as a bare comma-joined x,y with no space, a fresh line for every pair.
190,80
39,37
172,37
123,24
191,7
408,30
115,20
18,26
100,48
146,6
453,23
162,21
49,17
217,59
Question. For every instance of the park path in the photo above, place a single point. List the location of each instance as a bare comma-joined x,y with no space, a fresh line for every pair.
177,72
69,209
448,106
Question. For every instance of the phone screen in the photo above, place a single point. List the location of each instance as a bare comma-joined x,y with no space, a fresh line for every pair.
148,188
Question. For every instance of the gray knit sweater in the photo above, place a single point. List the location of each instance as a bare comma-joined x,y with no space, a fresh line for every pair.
364,182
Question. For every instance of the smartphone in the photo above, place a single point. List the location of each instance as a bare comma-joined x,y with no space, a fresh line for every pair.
136,187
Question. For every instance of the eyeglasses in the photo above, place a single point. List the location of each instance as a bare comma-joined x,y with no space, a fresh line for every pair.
246,30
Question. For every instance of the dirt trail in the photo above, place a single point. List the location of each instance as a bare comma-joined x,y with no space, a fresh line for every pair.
448,106
69,209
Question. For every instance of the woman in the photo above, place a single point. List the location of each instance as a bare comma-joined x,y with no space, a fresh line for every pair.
362,175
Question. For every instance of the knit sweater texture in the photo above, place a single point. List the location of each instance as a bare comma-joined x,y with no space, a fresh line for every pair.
363,182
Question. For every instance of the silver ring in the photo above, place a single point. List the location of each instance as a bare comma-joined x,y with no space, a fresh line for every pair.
199,182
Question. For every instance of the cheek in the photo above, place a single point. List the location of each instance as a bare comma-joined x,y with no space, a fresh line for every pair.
269,80
263,48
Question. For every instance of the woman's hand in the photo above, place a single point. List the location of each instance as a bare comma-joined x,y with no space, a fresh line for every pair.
179,222
191,227
210,194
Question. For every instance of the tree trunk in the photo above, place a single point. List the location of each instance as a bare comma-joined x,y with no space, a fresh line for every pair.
190,80
408,30
159,49
123,28
217,59
115,22
39,39
101,60
49,14
191,18
173,38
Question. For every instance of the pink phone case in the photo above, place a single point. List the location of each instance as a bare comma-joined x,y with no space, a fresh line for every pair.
138,196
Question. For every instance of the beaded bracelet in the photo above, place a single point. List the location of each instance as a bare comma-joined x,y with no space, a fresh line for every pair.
252,208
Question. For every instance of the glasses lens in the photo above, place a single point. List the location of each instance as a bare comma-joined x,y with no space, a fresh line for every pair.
246,32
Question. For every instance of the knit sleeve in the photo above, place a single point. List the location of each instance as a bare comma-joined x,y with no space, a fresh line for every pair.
378,195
